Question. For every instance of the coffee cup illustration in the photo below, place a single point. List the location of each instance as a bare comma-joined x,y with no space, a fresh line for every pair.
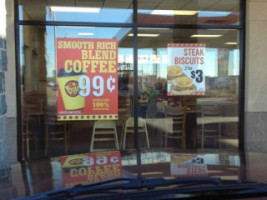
69,89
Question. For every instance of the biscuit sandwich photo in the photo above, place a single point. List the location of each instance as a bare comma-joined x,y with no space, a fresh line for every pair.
173,72
182,86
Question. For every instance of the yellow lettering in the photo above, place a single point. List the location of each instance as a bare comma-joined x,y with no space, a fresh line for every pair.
90,54
97,54
102,67
66,66
90,45
99,172
77,66
86,64
116,170
99,45
73,172
105,54
59,45
112,65
94,64
107,169
66,45
82,171
112,55
84,54
106,45
113,45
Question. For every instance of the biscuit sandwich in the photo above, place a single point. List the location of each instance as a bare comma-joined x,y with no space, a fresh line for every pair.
182,86
173,72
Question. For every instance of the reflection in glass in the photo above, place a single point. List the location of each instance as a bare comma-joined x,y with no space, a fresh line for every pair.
114,11
39,89
188,12
163,112
175,129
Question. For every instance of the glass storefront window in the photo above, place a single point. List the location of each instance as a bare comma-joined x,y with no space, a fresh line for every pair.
115,11
188,12
187,91
40,87
197,108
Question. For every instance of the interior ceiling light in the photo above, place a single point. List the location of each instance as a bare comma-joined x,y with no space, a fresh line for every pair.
174,12
86,34
144,35
231,43
205,36
155,29
204,13
74,9
76,27
219,29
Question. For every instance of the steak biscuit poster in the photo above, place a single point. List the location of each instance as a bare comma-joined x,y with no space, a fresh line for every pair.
87,83
185,72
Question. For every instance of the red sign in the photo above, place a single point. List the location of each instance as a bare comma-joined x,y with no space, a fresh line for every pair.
87,79
90,168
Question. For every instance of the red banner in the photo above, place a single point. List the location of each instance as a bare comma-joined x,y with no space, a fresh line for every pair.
87,79
90,168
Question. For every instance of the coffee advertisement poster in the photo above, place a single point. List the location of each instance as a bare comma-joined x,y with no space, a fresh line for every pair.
87,79
90,168
185,71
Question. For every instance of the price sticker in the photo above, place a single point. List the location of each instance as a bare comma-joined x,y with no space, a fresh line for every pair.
96,85
197,75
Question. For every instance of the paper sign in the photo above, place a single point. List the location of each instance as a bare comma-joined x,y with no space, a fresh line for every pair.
90,168
185,72
188,166
87,79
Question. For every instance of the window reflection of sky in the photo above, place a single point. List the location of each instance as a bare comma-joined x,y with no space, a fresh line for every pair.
72,32
105,15
201,13
20,12
122,15
213,13
115,15
149,61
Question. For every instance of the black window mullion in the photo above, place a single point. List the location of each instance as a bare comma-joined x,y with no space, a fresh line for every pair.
20,143
135,99
241,104
134,25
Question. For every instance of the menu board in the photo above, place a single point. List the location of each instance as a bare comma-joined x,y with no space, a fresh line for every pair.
87,79
90,168
185,72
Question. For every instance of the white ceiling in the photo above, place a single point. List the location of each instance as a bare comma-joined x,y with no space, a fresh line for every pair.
35,9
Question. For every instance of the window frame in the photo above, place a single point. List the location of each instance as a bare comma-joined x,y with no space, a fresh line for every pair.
135,25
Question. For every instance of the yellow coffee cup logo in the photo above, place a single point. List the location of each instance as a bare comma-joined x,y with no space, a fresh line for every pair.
72,88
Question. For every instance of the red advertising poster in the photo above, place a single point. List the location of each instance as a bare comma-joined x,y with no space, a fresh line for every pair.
90,168
185,72
87,79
